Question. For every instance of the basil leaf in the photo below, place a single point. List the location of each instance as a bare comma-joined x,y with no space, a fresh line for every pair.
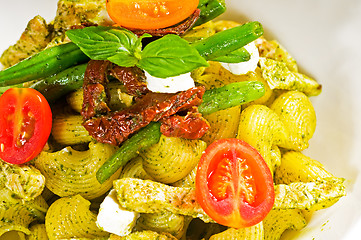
166,57
124,59
101,43
170,56
138,43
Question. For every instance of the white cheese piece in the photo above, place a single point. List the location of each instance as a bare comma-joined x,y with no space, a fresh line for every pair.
170,85
113,218
244,67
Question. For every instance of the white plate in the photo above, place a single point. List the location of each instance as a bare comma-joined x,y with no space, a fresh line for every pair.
324,36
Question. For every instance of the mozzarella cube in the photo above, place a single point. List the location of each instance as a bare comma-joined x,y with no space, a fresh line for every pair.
244,67
113,218
171,84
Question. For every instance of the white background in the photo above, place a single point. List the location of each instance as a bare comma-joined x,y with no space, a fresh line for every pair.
325,38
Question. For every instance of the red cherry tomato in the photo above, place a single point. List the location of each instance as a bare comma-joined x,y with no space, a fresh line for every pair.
25,124
150,14
234,185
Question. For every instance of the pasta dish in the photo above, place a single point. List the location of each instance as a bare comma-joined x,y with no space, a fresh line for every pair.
154,120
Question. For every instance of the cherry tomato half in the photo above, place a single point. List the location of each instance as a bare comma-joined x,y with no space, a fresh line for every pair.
150,14
234,185
25,124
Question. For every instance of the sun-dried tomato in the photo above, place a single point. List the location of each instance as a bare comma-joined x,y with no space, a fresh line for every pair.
191,126
95,91
133,79
116,127
95,95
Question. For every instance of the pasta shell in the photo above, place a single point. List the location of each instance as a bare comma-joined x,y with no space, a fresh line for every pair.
298,115
279,220
262,128
224,124
171,159
69,172
70,217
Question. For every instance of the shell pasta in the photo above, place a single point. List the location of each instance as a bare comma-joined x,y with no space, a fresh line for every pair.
70,217
72,172
171,159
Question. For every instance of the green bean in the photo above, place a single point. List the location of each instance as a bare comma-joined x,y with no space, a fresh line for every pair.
43,64
225,42
213,100
231,95
210,9
143,139
239,55
57,85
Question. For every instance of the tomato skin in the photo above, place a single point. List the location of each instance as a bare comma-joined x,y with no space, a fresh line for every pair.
230,196
25,124
149,14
